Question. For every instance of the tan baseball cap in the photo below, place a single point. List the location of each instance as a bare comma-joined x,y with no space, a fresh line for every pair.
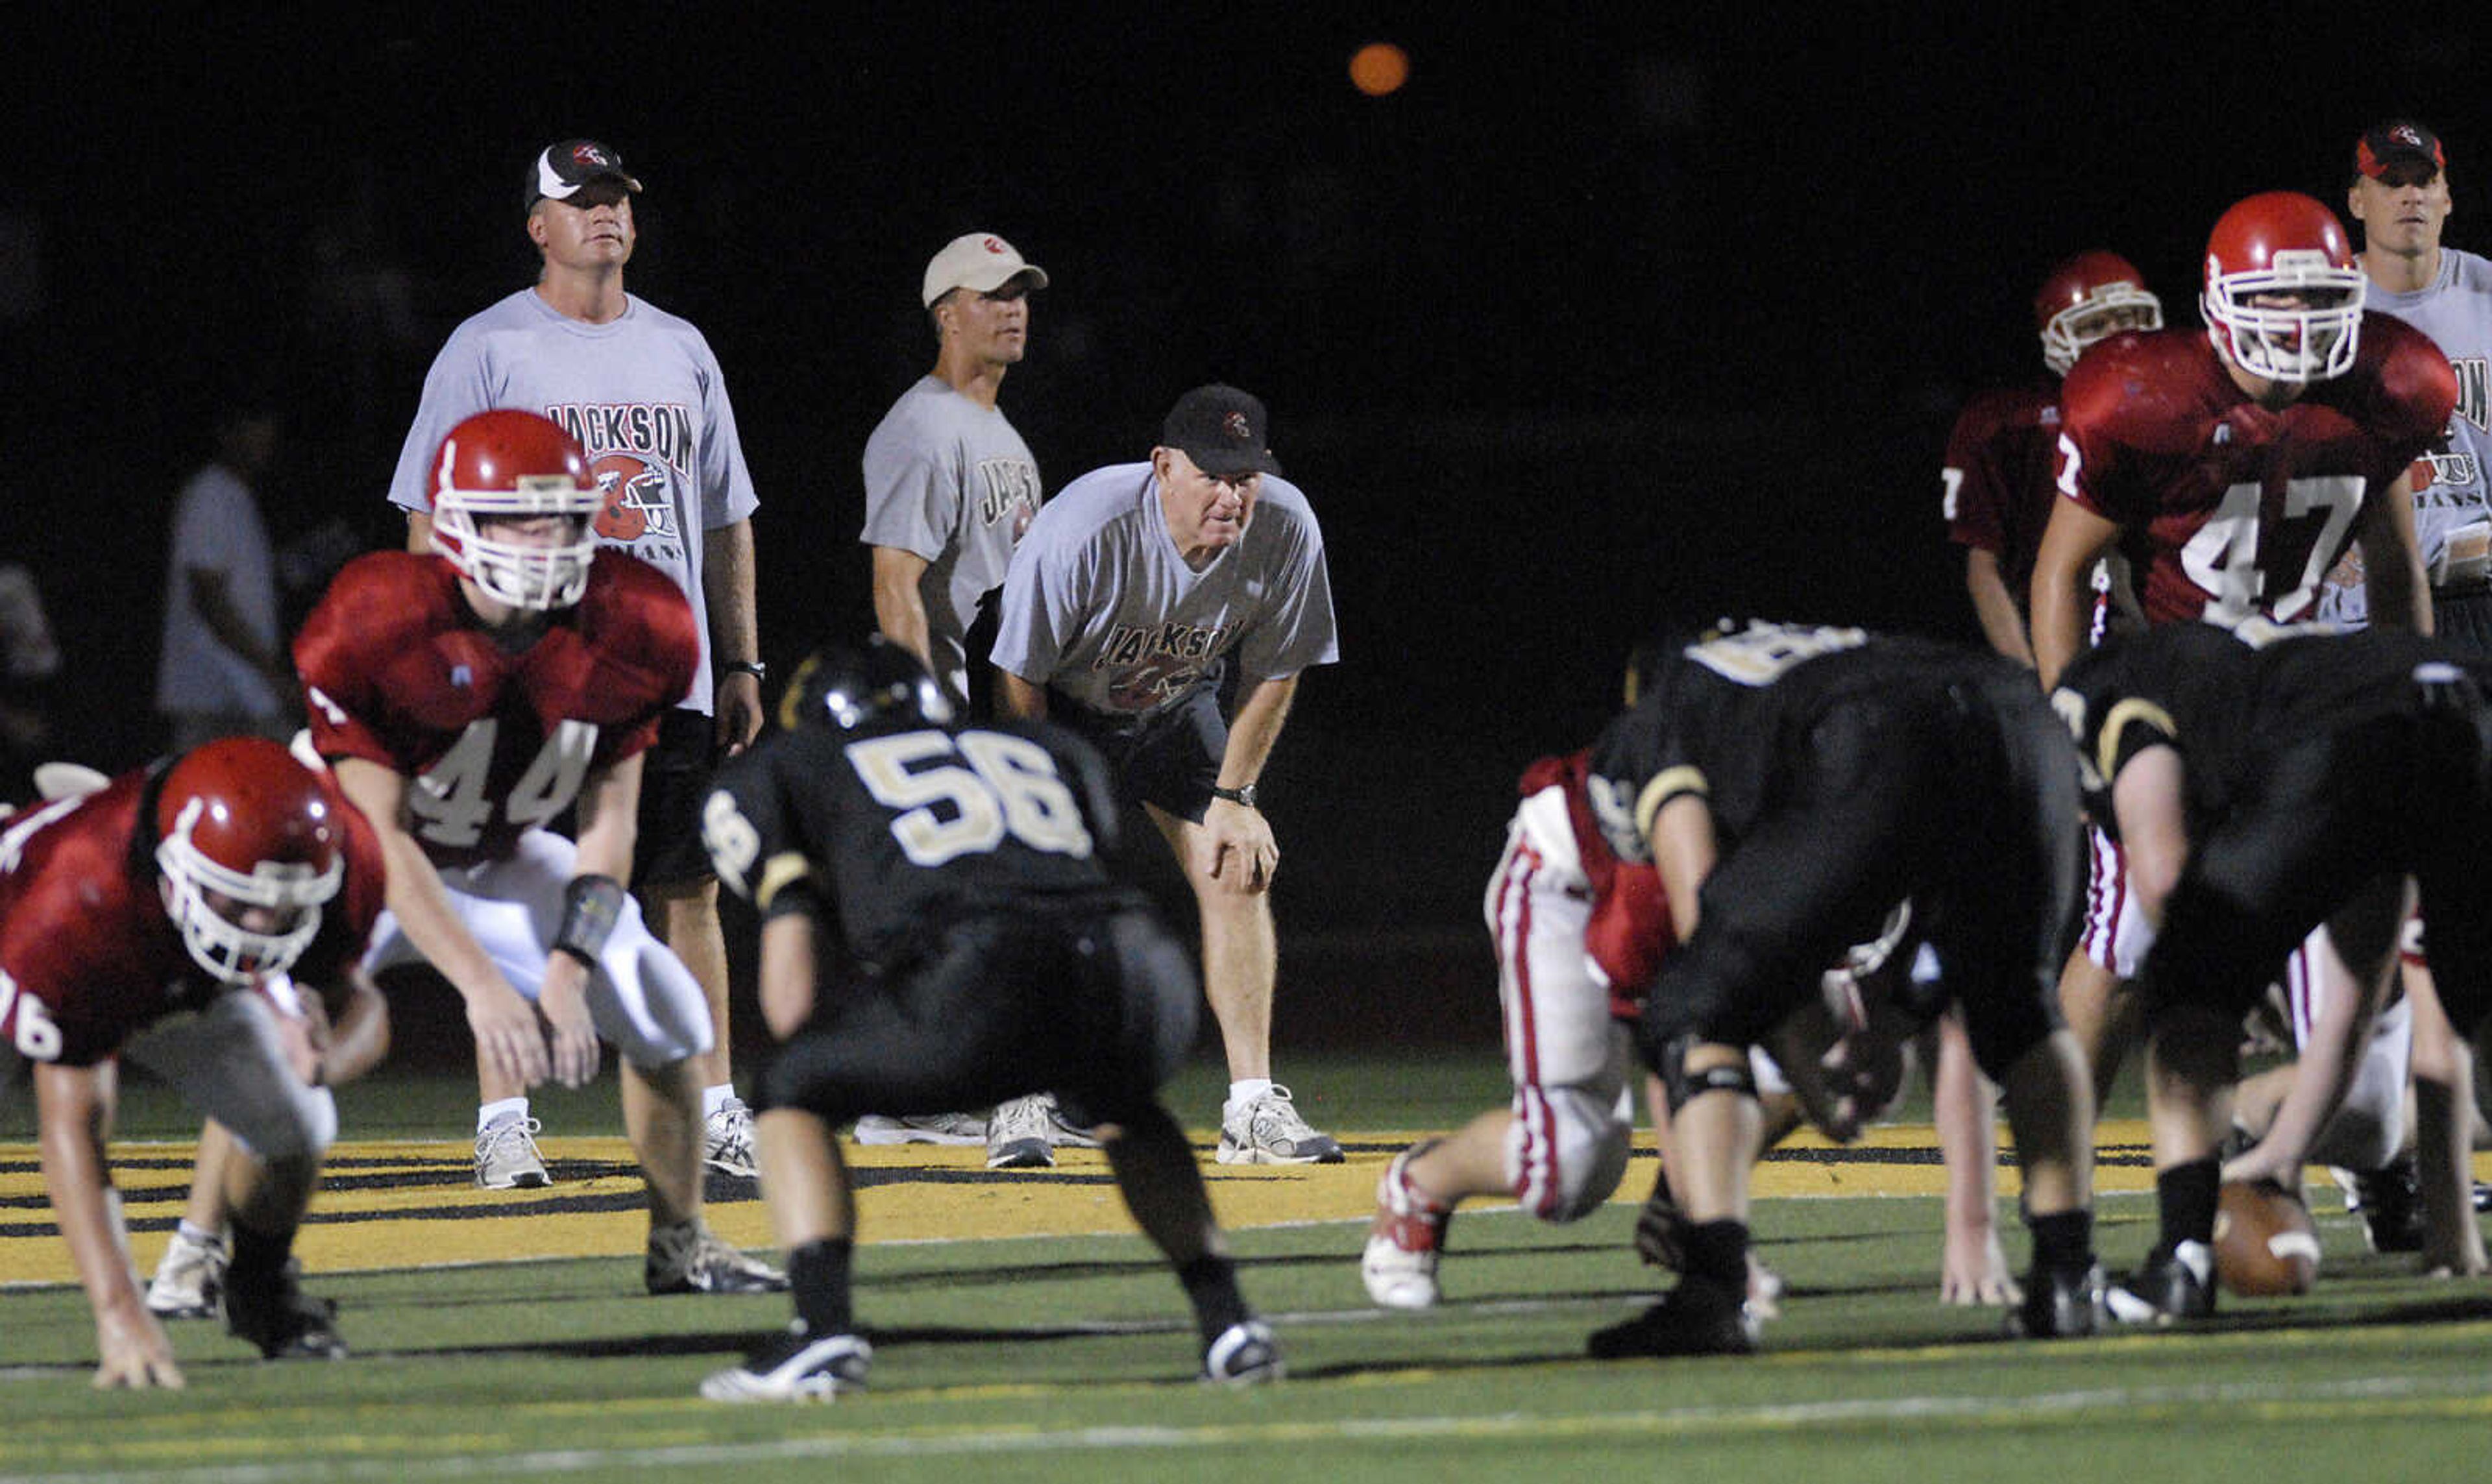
979,260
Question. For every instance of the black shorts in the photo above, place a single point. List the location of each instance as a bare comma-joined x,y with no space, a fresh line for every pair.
674,785
1170,758
2463,615
1097,1006
1962,800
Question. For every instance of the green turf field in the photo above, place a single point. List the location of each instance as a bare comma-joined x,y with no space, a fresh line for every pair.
1055,1358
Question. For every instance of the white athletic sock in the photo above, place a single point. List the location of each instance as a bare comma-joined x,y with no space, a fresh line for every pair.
200,1235
715,1098
500,1112
1241,1093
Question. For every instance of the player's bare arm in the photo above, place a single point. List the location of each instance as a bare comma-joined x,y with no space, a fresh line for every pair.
2071,544
2147,799
2393,582
787,967
727,579
1683,851
1239,836
74,1108
898,602
609,811
2357,975
1995,606
354,1030
1026,699
505,1024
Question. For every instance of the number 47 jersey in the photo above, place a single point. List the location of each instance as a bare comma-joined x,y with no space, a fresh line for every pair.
2232,510
396,670
893,832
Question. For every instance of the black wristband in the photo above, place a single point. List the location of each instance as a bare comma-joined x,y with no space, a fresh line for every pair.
591,905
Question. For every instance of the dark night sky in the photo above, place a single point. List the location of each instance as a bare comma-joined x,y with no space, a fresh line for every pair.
1594,323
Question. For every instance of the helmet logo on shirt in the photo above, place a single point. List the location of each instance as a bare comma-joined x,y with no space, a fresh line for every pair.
634,492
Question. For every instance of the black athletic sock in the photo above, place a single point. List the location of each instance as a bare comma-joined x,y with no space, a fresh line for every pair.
1718,1251
817,1275
1211,1287
258,1259
2184,1196
2063,1243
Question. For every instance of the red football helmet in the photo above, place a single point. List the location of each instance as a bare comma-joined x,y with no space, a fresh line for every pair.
240,819
2087,298
2283,245
514,466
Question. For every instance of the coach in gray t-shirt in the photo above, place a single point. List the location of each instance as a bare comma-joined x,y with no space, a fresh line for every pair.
1136,587
949,486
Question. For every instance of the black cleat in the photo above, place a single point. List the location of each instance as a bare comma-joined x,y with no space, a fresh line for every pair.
285,1322
2063,1304
2391,1201
1697,1317
2175,1283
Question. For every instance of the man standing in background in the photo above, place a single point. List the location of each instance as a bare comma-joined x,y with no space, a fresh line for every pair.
642,391
223,670
949,489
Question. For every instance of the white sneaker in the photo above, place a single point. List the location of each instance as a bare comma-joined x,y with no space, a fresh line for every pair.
1017,1133
688,1258
191,1280
506,1156
951,1128
1065,1134
1400,1265
800,1367
727,1139
1268,1131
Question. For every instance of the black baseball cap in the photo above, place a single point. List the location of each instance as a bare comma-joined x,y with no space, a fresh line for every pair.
1222,429
561,170
2398,141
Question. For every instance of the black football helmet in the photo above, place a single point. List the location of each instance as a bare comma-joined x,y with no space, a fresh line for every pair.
846,686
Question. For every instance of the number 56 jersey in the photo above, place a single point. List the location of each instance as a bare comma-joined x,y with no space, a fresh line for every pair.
396,670
2229,509
890,834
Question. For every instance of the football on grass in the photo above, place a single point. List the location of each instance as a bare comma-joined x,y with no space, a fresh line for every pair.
2266,1243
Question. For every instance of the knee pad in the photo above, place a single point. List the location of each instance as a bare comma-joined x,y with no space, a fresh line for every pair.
1683,1086
1565,1152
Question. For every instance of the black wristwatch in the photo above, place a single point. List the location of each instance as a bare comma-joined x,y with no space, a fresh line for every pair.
1245,795
753,667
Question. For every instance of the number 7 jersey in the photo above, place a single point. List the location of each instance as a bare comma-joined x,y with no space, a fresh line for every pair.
2229,509
398,671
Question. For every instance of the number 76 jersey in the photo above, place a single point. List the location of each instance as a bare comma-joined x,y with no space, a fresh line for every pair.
494,742
892,833
2232,510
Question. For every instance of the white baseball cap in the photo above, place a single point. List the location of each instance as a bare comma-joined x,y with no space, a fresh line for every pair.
979,260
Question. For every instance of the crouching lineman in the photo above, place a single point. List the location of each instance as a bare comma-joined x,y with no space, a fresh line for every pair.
204,919
466,698
2263,781
940,931
1792,785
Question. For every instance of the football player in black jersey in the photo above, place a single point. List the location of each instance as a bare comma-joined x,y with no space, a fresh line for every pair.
1792,785
941,929
2264,781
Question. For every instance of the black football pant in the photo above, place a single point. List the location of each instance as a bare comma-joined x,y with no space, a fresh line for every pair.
1961,796
1099,1008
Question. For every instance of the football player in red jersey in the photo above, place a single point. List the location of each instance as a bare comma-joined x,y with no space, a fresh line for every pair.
465,699
1997,482
2233,469
202,918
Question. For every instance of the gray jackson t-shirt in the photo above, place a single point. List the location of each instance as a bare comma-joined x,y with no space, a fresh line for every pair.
645,396
1099,605
949,480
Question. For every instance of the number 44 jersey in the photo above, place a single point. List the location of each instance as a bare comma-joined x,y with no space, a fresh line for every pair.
396,670
2230,509
898,831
